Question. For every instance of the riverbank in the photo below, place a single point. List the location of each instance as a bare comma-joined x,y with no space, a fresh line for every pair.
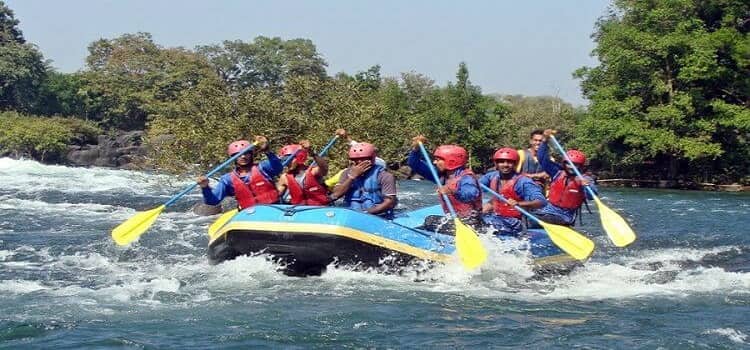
672,184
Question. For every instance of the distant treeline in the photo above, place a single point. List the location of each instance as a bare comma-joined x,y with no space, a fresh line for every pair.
670,99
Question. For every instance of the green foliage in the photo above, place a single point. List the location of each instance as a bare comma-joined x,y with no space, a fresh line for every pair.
264,63
130,78
528,113
672,88
9,32
60,94
41,137
22,67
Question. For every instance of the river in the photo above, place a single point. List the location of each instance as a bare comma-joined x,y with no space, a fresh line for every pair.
684,284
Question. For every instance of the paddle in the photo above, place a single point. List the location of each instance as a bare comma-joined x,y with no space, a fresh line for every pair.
134,227
469,248
614,225
570,241
224,218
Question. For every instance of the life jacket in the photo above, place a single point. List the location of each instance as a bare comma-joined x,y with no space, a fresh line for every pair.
365,192
259,190
565,192
310,193
463,210
501,208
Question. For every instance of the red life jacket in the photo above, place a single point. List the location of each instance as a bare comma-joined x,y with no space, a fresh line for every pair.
259,191
566,192
310,193
462,209
508,191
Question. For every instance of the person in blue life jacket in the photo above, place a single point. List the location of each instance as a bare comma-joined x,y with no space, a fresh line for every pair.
528,164
302,184
518,189
333,180
566,190
456,180
366,186
248,182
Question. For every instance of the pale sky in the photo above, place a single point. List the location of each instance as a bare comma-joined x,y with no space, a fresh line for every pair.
511,47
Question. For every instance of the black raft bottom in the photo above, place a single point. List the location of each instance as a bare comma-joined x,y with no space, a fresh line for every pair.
307,253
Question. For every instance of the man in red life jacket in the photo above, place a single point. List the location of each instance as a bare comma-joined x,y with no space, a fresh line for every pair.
365,185
456,180
303,185
566,192
518,189
249,183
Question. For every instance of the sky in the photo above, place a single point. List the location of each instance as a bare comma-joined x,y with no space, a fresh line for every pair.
510,47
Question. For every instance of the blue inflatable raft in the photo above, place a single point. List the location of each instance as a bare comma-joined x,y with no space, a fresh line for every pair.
306,239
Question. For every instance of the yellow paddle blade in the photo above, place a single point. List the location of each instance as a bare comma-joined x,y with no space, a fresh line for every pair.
570,241
219,223
134,227
614,225
469,248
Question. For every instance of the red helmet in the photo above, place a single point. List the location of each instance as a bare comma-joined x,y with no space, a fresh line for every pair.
237,146
454,156
506,154
361,150
576,156
289,150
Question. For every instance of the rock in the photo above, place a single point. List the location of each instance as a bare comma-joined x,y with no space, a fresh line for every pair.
206,210
123,149
83,156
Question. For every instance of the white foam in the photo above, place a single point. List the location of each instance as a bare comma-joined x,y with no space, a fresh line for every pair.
733,334
5,254
20,286
29,177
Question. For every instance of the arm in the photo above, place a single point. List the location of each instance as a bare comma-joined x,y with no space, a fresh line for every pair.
417,164
216,195
321,168
281,184
588,181
486,179
550,167
532,195
468,189
388,188
345,181
272,166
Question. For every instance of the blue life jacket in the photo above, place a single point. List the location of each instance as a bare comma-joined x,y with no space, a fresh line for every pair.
365,192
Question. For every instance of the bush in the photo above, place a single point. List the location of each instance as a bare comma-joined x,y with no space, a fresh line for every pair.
42,138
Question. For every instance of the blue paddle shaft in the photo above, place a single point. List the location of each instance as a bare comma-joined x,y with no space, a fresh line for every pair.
575,169
325,149
290,158
208,174
437,178
500,197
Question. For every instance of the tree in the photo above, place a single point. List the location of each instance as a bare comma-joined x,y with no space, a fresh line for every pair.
22,66
9,32
264,63
460,114
534,112
672,87
370,79
130,77
60,95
